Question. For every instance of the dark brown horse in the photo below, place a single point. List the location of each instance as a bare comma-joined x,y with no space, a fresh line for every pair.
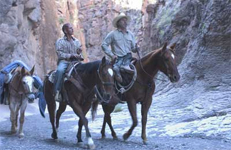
89,74
163,60
20,91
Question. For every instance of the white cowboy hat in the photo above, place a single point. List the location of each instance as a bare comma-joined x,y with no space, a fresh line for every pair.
117,18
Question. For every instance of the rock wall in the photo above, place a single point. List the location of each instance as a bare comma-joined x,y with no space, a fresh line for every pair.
202,31
26,33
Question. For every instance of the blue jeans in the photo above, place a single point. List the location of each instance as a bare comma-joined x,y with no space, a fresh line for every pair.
122,61
62,67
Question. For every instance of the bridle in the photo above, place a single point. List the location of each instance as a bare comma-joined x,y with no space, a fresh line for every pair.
16,92
141,65
103,82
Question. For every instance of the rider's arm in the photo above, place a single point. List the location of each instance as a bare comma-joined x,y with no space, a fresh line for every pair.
106,43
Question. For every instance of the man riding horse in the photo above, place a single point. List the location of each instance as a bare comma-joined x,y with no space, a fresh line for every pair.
68,49
122,43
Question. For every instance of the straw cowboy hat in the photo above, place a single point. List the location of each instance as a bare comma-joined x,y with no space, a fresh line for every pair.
117,18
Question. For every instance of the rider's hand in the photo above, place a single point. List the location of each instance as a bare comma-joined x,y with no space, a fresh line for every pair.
114,57
73,56
137,48
79,50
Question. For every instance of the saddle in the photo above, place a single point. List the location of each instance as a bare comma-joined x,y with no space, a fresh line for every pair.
70,68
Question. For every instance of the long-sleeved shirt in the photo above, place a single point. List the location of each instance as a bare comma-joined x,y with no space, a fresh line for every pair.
65,48
121,43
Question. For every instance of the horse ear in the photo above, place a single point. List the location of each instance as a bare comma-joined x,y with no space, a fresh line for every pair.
164,48
32,71
113,61
104,60
23,71
173,46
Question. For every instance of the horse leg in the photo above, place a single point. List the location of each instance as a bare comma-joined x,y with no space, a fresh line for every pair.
79,133
144,112
13,117
86,107
22,116
78,111
132,110
62,108
51,109
107,119
16,123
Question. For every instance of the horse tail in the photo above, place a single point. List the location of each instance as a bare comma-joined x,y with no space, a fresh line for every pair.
94,107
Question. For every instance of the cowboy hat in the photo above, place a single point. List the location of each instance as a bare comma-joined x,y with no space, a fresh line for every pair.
117,18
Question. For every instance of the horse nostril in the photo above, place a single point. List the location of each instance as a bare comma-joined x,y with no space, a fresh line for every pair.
174,77
107,96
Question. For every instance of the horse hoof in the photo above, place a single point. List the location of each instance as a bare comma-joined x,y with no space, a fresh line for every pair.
125,137
103,137
115,138
54,136
80,144
21,135
145,142
91,146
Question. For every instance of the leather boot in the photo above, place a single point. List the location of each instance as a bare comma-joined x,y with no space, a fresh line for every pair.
127,69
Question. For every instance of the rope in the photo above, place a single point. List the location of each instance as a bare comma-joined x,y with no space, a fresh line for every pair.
125,88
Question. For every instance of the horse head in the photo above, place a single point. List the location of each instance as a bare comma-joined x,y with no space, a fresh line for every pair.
106,77
27,82
167,62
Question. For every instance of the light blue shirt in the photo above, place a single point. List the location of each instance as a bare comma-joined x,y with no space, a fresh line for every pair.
121,43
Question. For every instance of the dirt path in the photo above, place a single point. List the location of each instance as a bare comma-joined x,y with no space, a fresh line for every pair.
37,137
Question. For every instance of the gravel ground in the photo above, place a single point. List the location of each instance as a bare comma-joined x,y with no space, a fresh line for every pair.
37,132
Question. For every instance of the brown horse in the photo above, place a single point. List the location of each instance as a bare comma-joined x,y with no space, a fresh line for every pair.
90,74
163,60
20,91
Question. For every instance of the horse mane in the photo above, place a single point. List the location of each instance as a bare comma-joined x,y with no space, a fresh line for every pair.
87,68
151,54
90,67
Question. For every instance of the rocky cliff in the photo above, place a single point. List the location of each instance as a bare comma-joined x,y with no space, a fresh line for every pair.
27,33
202,98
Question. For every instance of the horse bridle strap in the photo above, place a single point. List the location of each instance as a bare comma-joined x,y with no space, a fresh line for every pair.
124,89
76,83
143,68
19,92
99,95
104,83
